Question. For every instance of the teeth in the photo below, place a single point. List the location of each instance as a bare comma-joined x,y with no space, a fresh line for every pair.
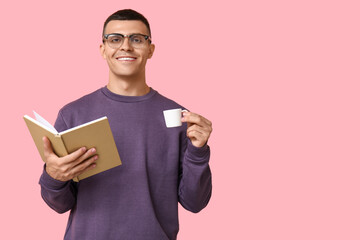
126,58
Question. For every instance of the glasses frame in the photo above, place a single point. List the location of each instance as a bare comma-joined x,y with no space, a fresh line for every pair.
106,36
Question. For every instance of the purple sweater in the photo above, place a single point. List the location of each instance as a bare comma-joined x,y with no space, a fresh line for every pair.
139,199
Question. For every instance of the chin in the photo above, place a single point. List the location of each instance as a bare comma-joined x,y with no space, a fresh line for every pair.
124,74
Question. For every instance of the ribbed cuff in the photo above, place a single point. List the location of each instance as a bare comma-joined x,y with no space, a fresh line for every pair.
198,153
48,182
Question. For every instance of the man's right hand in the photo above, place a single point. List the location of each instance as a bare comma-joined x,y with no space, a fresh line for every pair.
70,166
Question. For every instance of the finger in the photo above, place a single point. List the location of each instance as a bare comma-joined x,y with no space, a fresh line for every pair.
195,127
204,130
194,134
198,132
75,155
190,117
205,120
89,153
197,139
84,166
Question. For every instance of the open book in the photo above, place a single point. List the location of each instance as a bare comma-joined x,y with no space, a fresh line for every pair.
96,134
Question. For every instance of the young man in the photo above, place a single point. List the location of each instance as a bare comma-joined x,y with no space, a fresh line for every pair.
160,166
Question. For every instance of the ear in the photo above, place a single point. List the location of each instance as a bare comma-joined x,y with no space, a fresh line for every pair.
151,50
102,50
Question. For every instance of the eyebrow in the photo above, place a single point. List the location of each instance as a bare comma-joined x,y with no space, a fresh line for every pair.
125,34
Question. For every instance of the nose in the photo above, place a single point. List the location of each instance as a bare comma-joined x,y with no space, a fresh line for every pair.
126,45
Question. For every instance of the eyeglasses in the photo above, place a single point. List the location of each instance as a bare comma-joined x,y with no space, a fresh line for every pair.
115,40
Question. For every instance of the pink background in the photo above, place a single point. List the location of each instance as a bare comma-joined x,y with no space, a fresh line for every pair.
278,79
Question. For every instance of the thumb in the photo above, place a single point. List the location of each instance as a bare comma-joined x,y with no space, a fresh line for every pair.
48,150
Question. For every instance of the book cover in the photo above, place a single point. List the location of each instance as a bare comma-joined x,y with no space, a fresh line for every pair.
95,134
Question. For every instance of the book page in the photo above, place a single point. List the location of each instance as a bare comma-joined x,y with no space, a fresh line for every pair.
42,120
83,125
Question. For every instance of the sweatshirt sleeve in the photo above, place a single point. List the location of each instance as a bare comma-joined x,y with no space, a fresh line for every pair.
58,195
195,177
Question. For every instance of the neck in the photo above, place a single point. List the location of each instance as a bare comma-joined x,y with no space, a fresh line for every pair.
131,86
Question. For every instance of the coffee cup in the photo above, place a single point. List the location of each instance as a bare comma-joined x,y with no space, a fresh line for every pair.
173,117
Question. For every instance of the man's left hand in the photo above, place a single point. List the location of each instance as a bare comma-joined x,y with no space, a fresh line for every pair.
198,128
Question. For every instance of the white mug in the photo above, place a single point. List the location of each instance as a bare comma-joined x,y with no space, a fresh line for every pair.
173,117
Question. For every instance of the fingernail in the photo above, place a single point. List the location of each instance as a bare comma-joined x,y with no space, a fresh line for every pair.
96,157
93,150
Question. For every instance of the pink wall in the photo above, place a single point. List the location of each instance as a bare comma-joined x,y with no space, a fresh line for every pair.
279,80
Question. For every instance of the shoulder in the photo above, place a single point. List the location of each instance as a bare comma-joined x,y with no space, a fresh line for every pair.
166,103
82,102
79,111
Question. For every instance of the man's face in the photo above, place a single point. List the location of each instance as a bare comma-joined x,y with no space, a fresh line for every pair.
127,61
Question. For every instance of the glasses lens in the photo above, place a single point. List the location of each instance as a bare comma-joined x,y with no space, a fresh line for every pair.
115,41
137,41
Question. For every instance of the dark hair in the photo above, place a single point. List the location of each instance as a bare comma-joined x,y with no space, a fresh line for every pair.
127,14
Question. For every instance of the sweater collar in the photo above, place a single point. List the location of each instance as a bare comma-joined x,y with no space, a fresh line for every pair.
128,99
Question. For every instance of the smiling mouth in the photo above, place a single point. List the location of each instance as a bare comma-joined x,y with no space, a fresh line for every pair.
126,58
